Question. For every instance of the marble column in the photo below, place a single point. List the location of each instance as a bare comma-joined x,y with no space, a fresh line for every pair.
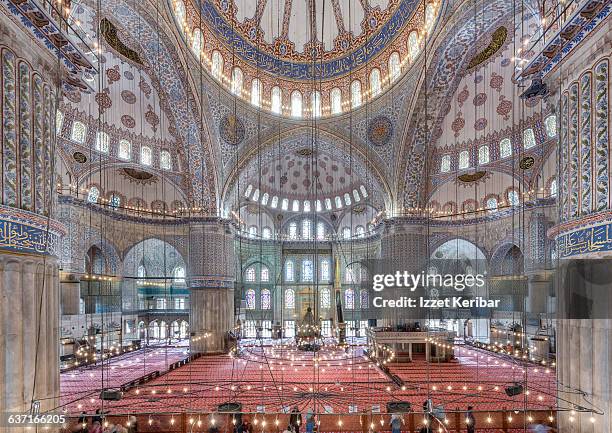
211,285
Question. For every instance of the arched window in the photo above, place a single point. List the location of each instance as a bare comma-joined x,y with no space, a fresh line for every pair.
315,103
264,274
295,207
320,230
528,138
125,150
253,231
293,230
115,201
179,12
306,206
335,97
276,100
550,124
307,270
179,274
364,299
325,270
248,190
102,142
256,92
464,159
349,275
553,188
375,84
265,299
79,132
217,65
483,155
296,104
249,274
445,164
395,66
196,43
349,299
264,198
306,229
505,148
289,299
256,194
356,94
59,122
266,233
360,231
346,232
491,204
430,16
513,198
146,156
165,160
363,191
289,271
356,196
325,297
413,45
237,81
92,196
347,199
318,207
338,201
274,202
250,299
285,204
141,274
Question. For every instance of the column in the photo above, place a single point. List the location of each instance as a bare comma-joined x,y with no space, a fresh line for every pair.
211,285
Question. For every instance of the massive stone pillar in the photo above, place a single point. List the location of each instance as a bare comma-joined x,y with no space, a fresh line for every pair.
584,345
211,285
29,237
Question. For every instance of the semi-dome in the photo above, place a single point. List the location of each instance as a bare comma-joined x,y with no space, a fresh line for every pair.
306,59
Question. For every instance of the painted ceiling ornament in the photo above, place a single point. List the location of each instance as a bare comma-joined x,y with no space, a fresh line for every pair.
152,118
109,32
103,100
144,87
128,121
137,176
73,96
463,96
380,131
496,82
497,41
504,107
231,129
458,124
480,99
480,124
128,96
113,74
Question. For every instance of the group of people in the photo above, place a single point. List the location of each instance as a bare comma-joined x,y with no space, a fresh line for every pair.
96,424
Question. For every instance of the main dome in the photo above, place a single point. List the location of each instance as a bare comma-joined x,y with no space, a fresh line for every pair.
309,58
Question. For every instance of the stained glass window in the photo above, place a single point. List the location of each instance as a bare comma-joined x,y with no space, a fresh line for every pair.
363,190
196,43
464,159
491,204
115,201
413,45
306,229
355,94
249,275
285,204
513,198
325,274
179,274
276,100
356,196
347,199
253,231
237,81
59,122
529,138
217,64
179,12
336,100
256,194
141,273
146,156
349,275
338,201
265,299
430,15
289,271
274,202
266,233
318,207
102,142
394,66
483,155
248,190
315,104
363,299
553,188
325,297
349,299
375,84
505,148
328,204
265,274
289,299
296,104
307,270
250,299
256,92
346,232
293,230
264,198
125,149
296,206
92,196
550,123
320,231
79,132
360,231
445,164
306,205
165,160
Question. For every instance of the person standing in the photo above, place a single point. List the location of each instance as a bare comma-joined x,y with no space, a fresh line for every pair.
396,423
470,421
295,419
